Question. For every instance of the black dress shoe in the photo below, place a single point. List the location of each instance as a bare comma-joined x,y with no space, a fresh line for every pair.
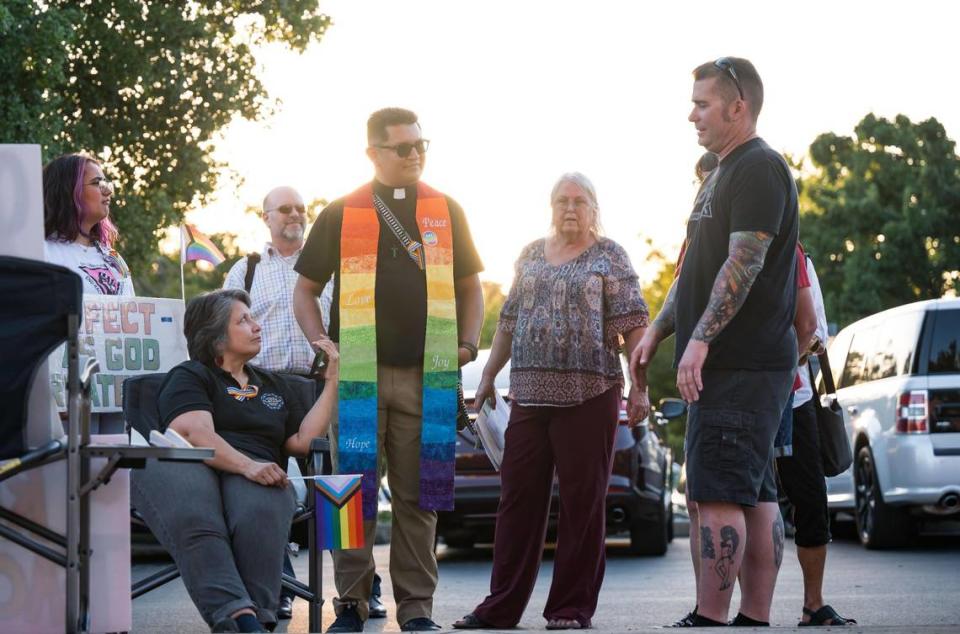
377,609
419,624
285,611
347,621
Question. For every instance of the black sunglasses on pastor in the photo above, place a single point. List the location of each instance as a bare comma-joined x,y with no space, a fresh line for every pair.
725,64
403,149
286,210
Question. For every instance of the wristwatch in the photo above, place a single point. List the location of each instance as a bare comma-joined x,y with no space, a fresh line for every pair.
469,347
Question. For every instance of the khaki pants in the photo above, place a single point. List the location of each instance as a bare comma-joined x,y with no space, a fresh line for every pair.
413,564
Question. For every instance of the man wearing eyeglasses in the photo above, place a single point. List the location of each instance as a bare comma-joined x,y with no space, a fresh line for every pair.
407,312
732,308
269,278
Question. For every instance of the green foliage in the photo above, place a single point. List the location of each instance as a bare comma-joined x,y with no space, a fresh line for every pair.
493,299
146,87
881,215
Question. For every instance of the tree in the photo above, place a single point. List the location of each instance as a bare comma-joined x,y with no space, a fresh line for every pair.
146,86
493,299
881,215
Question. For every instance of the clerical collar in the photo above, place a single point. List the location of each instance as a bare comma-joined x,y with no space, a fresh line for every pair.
394,193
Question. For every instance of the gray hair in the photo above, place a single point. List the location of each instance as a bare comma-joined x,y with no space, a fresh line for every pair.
205,323
586,185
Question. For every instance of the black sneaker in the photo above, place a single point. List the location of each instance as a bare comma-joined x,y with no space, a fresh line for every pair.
419,624
347,621
688,620
285,610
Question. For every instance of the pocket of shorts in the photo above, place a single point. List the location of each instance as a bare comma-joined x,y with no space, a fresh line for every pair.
725,433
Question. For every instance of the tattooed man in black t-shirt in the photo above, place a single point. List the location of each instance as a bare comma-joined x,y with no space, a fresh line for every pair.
731,308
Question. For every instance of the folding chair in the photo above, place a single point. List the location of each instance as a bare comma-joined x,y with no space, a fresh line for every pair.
40,308
140,413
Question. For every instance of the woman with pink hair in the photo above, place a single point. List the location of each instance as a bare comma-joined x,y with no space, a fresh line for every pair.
76,218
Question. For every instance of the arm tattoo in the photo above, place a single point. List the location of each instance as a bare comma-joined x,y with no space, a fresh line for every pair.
747,251
778,540
706,543
665,323
729,542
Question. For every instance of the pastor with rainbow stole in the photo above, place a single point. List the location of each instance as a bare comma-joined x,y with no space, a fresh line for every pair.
407,311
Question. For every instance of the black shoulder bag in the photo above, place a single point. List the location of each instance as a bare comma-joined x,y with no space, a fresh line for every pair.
834,443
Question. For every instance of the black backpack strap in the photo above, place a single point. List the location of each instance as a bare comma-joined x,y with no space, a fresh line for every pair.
252,260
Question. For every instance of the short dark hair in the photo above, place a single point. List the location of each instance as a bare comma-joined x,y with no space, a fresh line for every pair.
379,120
750,81
205,323
63,210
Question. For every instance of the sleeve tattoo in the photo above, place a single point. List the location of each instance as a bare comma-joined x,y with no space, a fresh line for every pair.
746,253
665,323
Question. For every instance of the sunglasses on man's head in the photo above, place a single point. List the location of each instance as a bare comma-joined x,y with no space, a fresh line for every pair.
286,210
403,149
725,64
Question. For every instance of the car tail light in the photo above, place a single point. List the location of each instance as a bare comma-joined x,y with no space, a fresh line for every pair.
912,412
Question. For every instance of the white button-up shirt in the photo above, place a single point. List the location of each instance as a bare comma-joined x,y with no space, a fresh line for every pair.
283,347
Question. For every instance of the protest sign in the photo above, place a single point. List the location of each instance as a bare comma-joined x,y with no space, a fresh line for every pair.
128,336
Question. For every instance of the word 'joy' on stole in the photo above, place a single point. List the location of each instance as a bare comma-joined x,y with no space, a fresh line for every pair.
339,512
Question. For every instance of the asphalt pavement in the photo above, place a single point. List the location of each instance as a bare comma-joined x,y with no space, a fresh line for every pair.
911,590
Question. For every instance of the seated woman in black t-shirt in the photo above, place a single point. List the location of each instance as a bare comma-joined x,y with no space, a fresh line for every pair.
225,522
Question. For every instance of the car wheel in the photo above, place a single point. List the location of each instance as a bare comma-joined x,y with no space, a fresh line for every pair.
650,538
879,525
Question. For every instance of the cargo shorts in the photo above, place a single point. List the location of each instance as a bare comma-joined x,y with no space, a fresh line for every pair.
730,434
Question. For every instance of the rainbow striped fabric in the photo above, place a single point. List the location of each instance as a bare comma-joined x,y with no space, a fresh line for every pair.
338,509
196,246
357,445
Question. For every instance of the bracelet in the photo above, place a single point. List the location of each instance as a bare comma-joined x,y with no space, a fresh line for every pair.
472,349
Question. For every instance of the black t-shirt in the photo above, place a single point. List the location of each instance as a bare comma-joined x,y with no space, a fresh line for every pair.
257,427
401,287
751,190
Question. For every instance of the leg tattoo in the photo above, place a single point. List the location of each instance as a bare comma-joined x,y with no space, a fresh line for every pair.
729,542
778,540
706,543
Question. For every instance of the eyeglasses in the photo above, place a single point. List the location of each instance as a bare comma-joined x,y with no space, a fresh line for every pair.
403,149
578,203
105,185
286,210
725,64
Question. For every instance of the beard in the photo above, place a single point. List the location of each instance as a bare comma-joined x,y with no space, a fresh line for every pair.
293,232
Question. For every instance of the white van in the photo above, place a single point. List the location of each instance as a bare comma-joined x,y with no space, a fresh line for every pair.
898,383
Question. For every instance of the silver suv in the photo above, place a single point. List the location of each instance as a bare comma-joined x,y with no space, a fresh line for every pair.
898,383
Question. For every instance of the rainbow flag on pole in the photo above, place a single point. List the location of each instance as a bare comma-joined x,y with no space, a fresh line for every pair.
338,509
196,246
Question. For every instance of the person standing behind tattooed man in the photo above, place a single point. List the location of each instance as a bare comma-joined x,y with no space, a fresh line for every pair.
732,308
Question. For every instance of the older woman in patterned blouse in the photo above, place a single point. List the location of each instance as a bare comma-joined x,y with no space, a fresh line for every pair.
574,297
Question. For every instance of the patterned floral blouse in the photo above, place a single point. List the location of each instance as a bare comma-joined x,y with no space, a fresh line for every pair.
567,323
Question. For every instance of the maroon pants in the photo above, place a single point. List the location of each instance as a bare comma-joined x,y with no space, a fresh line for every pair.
577,441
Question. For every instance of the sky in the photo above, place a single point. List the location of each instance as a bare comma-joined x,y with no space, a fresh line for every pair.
512,94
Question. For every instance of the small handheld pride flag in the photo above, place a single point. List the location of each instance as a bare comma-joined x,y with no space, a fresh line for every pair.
338,510
196,246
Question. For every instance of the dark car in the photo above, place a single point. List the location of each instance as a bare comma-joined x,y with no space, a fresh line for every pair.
638,496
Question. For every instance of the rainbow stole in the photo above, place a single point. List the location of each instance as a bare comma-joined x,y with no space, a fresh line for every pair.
338,513
357,445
